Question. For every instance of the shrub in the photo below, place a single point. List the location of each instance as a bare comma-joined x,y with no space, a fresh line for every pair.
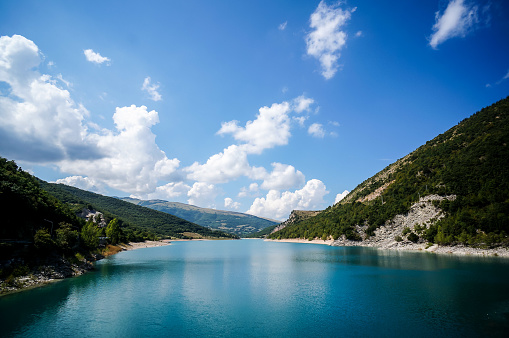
398,238
412,237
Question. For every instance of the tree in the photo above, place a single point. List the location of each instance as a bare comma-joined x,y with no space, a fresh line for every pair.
67,238
113,231
43,241
89,235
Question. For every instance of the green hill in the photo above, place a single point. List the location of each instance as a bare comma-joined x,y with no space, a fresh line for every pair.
25,207
469,163
161,223
232,222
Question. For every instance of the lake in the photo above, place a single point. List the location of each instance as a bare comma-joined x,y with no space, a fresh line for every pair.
253,288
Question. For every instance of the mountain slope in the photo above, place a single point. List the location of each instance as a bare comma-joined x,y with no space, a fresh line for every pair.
161,223
232,222
468,164
25,207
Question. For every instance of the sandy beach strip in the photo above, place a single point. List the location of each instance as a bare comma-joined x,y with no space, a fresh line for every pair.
146,244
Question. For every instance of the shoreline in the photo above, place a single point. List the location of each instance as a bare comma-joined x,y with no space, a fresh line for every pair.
54,274
458,250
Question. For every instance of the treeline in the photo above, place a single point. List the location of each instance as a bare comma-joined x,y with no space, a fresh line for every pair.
160,223
470,161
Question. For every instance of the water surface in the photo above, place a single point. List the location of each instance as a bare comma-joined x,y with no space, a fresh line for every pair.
265,289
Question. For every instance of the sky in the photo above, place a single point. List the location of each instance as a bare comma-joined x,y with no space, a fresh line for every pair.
252,106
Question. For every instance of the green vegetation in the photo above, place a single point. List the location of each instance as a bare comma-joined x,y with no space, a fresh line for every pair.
262,233
232,222
129,215
470,161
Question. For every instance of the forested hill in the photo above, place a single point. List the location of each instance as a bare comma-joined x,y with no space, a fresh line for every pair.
163,224
469,164
232,222
26,208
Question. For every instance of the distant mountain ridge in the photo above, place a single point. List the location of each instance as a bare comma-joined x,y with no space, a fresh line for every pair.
460,179
161,223
232,222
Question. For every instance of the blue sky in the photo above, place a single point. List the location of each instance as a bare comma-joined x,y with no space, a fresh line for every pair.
259,106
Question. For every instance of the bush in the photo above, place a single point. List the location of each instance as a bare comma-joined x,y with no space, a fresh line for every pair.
412,237
43,241
398,238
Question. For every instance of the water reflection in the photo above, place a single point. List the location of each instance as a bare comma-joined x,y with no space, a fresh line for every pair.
256,288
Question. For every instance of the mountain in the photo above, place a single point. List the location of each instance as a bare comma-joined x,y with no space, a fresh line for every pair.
232,222
161,223
453,189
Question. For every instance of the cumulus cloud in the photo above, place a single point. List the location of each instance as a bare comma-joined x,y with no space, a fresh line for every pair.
151,89
170,191
81,182
270,128
339,197
456,21
327,39
133,162
278,205
302,103
283,177
228,165
40,123
95,57
282,26
230,204
202,194
316,130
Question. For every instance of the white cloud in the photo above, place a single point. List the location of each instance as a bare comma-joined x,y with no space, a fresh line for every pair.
282,26
278,205
300,120
506,76
230,204
67,83
151,89
339,197
202,195
95,57
228,165
358,34
326,39
270,128
283,177
244,192
51,64
457,20
40,123
302,103
170,190
316,130
81,182
133,162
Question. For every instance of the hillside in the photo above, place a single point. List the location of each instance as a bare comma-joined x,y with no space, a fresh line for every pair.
25,207
463,173
161,223
232,222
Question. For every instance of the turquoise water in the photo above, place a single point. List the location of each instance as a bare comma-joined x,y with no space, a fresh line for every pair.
253,288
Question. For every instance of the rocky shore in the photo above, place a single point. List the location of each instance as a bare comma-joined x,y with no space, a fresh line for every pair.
57,268
52,269
392,235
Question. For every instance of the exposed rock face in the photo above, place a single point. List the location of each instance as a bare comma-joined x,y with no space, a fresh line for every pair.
53,268
295,216
422,213
95,216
